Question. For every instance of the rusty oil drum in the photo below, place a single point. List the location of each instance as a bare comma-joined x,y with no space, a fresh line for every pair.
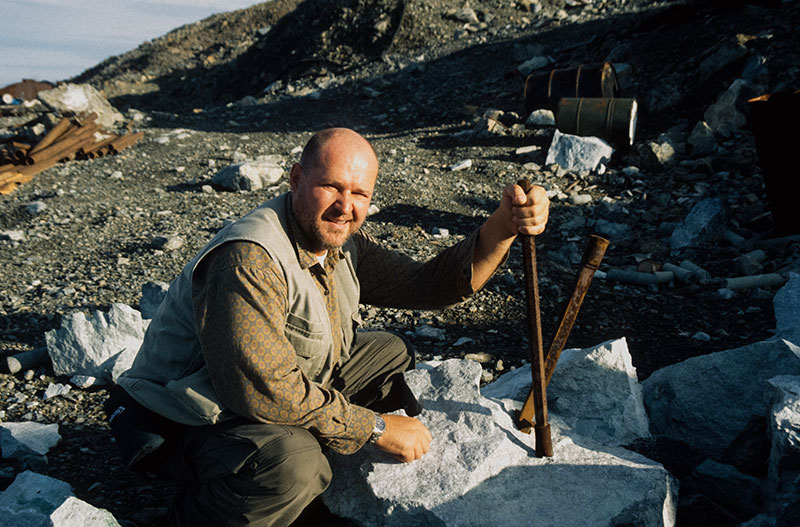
613,120
586,80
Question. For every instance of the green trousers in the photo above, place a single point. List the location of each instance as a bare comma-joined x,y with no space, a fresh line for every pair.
241,472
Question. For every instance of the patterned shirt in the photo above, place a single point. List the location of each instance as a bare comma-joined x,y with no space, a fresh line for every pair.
240,303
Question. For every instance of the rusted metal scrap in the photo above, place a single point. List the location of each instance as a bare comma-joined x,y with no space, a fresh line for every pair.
71,138
541,427
592,257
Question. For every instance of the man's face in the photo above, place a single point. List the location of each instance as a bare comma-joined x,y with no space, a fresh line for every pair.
330,198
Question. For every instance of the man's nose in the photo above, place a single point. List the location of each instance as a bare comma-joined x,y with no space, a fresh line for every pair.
344,202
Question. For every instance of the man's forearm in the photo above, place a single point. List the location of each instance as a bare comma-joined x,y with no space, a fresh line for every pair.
518,213
494,241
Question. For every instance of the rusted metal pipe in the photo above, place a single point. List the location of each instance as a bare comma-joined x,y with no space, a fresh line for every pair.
541,427
98,146
52,135
125,141
66,146
592,257
10,180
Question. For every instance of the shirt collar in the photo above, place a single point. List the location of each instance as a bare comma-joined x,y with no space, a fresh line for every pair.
305,255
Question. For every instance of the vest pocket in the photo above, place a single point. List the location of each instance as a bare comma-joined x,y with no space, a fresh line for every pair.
197,395
309,342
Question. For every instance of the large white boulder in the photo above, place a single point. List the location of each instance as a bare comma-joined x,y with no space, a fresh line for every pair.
81,98
482,471
250,175
577,153
594,391
707,401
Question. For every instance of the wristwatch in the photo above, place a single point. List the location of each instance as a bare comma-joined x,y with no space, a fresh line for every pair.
380,428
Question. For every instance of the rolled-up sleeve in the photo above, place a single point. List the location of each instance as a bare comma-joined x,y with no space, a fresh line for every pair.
240,303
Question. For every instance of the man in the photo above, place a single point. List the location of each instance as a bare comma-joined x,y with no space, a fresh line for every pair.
253,365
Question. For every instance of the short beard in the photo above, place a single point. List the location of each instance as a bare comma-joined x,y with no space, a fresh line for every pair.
314,235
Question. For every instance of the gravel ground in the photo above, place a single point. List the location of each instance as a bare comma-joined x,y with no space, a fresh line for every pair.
415,78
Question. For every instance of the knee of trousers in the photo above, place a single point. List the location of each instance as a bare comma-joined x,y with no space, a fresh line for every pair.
402,347
294,463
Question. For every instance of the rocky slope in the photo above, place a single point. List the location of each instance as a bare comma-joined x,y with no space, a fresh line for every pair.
417,78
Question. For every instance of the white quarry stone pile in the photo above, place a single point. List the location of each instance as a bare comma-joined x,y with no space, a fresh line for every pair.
37,500
482,471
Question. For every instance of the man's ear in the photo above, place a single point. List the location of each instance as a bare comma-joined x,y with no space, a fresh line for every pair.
294,176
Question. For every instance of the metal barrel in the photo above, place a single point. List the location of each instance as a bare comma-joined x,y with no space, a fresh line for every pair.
775,148
586,80
613,120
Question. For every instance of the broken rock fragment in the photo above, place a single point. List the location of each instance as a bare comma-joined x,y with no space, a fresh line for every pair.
704,224
34,499
25,438
703,401
575,153
102,345
249,175
701,140
783,400
725,116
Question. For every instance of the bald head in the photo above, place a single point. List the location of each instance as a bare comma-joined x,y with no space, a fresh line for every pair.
333,144
332,186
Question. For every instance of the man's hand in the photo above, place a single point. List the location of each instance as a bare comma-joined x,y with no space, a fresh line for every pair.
406,438
527,214
518,213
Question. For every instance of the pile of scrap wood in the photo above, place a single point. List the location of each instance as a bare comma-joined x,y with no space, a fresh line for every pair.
78,137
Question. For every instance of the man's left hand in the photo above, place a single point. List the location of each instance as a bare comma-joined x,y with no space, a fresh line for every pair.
527,213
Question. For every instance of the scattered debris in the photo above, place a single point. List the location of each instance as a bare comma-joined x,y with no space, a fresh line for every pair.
77,137
461,165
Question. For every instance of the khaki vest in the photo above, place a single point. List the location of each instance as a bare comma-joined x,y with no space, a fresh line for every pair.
169,375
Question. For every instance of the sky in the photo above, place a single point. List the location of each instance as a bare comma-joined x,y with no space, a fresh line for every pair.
54,40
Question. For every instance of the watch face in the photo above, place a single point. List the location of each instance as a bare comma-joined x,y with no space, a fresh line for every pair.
380,428
380,424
